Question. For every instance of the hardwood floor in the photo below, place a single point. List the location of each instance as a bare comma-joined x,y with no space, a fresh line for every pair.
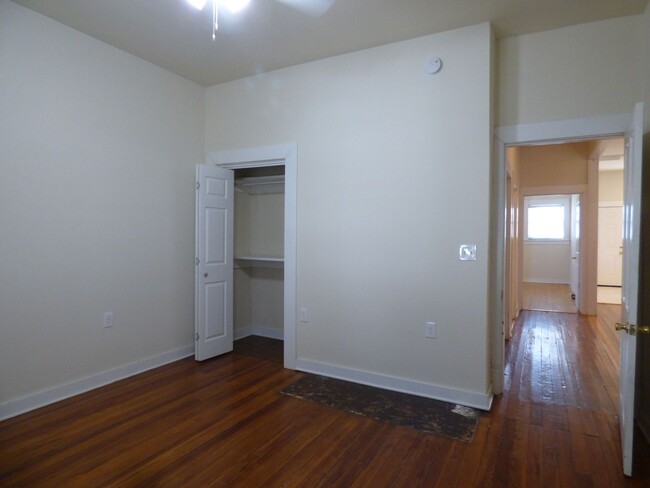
548,297
224,423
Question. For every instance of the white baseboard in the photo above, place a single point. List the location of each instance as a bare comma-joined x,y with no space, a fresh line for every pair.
61,392
259,331
451,395
242,332
552,281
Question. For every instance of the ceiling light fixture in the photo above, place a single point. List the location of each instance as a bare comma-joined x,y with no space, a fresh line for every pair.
233,5
197,4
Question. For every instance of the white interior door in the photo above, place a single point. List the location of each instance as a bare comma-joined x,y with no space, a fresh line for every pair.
630,289
575,248
610,246
214,261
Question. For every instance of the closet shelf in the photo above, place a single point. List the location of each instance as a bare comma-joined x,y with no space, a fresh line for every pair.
260,261
261,184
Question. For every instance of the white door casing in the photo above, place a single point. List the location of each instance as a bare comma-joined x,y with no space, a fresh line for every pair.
630,289
610,245
286,155
214,261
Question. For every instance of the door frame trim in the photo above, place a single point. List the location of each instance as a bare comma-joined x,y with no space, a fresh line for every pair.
276,155
551,132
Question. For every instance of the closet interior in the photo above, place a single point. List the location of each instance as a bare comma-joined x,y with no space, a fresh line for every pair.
259,252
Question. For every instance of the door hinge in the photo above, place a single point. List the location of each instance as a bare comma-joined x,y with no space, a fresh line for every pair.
196,261
501,294
196,337
198,185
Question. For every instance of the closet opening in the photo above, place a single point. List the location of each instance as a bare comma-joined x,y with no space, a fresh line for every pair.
258,265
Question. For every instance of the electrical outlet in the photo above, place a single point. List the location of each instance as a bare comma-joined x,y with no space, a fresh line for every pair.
304,315
430,329
108,319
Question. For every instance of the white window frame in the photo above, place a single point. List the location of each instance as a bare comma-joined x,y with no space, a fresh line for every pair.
548,200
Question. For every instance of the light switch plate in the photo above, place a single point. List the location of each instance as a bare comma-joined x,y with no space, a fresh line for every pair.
467,252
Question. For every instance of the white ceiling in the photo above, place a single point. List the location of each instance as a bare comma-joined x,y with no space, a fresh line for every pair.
269,35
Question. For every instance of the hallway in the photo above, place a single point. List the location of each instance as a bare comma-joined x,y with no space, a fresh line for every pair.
561,399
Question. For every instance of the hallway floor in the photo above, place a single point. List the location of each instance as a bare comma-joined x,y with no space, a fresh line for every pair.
549,297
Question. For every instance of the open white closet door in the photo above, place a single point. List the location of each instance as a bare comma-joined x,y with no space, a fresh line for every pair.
214,261
631,248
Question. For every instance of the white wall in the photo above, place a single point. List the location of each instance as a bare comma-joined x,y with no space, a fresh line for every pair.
97,150
377,238
587,70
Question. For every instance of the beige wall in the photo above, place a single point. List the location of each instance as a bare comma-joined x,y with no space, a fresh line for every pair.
259,291
512,162
610,186
552,165
547,262
587,70
513,264
258,297
377,240
259,224
96,205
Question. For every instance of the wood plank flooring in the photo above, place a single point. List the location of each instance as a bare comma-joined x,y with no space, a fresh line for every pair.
547,297
224,423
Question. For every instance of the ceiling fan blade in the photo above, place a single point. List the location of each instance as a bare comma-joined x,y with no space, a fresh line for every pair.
315,8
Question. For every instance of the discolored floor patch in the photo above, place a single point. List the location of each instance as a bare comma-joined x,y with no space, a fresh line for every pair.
424,414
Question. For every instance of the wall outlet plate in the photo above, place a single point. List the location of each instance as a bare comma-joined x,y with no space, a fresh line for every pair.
304,315
109,319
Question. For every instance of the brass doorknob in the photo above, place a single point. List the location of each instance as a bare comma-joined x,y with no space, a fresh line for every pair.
632,329
619,326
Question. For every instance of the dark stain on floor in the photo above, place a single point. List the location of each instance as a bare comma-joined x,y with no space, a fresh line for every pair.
424,414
